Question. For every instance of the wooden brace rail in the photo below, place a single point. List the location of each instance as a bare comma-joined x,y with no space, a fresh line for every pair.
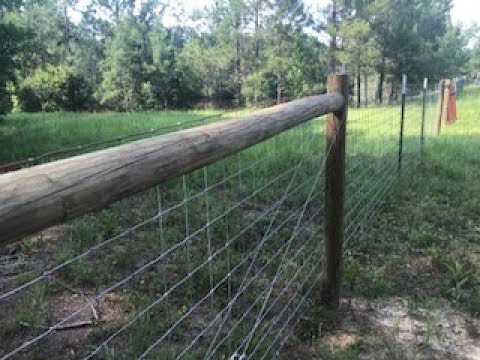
33,199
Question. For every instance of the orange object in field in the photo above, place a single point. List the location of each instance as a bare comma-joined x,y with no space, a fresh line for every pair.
452,104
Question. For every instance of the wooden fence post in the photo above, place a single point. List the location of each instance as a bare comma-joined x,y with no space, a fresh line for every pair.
335,133
440,106
446,100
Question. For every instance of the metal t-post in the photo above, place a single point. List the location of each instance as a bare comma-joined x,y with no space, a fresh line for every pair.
402,121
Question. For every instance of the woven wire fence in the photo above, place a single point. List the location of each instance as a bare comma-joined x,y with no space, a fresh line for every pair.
372,163
220,263
211,263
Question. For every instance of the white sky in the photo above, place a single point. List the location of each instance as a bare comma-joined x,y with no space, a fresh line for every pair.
464,11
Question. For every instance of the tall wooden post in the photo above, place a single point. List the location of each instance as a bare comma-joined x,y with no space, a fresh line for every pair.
441,100
335,132
446,99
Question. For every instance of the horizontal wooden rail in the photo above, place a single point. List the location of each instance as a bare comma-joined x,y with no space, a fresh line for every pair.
35,198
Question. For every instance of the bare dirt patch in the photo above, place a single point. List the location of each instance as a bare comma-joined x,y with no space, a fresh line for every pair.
393,329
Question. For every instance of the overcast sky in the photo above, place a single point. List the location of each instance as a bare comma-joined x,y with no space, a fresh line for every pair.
464,11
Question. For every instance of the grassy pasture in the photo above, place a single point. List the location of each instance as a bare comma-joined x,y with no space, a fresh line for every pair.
249,198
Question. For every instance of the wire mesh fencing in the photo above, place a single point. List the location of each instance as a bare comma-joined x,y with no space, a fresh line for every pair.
212,263
373,159
219,263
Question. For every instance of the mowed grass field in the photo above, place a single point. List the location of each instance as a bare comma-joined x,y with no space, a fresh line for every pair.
235,197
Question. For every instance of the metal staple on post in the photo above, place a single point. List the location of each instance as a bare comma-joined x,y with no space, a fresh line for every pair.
335,133
402,121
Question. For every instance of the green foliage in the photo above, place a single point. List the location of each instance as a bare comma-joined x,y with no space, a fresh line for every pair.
11,38
6,104
297,69
253,51
406,33
451,58
76,94
28,100
459,279
123,68
358,52
172,79
474,58
376,284
83,236
32,314
47,85
54,88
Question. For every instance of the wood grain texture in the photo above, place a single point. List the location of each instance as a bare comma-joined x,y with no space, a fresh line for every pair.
35,198
335,136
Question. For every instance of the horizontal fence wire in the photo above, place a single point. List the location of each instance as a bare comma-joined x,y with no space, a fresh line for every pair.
219,263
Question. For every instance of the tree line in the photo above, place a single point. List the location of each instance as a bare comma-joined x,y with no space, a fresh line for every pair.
120,55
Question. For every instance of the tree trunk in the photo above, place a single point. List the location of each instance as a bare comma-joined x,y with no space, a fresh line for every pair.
359,96
116,12
381,80
257,31
365,87
66,33
257,45
238,64
279,87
